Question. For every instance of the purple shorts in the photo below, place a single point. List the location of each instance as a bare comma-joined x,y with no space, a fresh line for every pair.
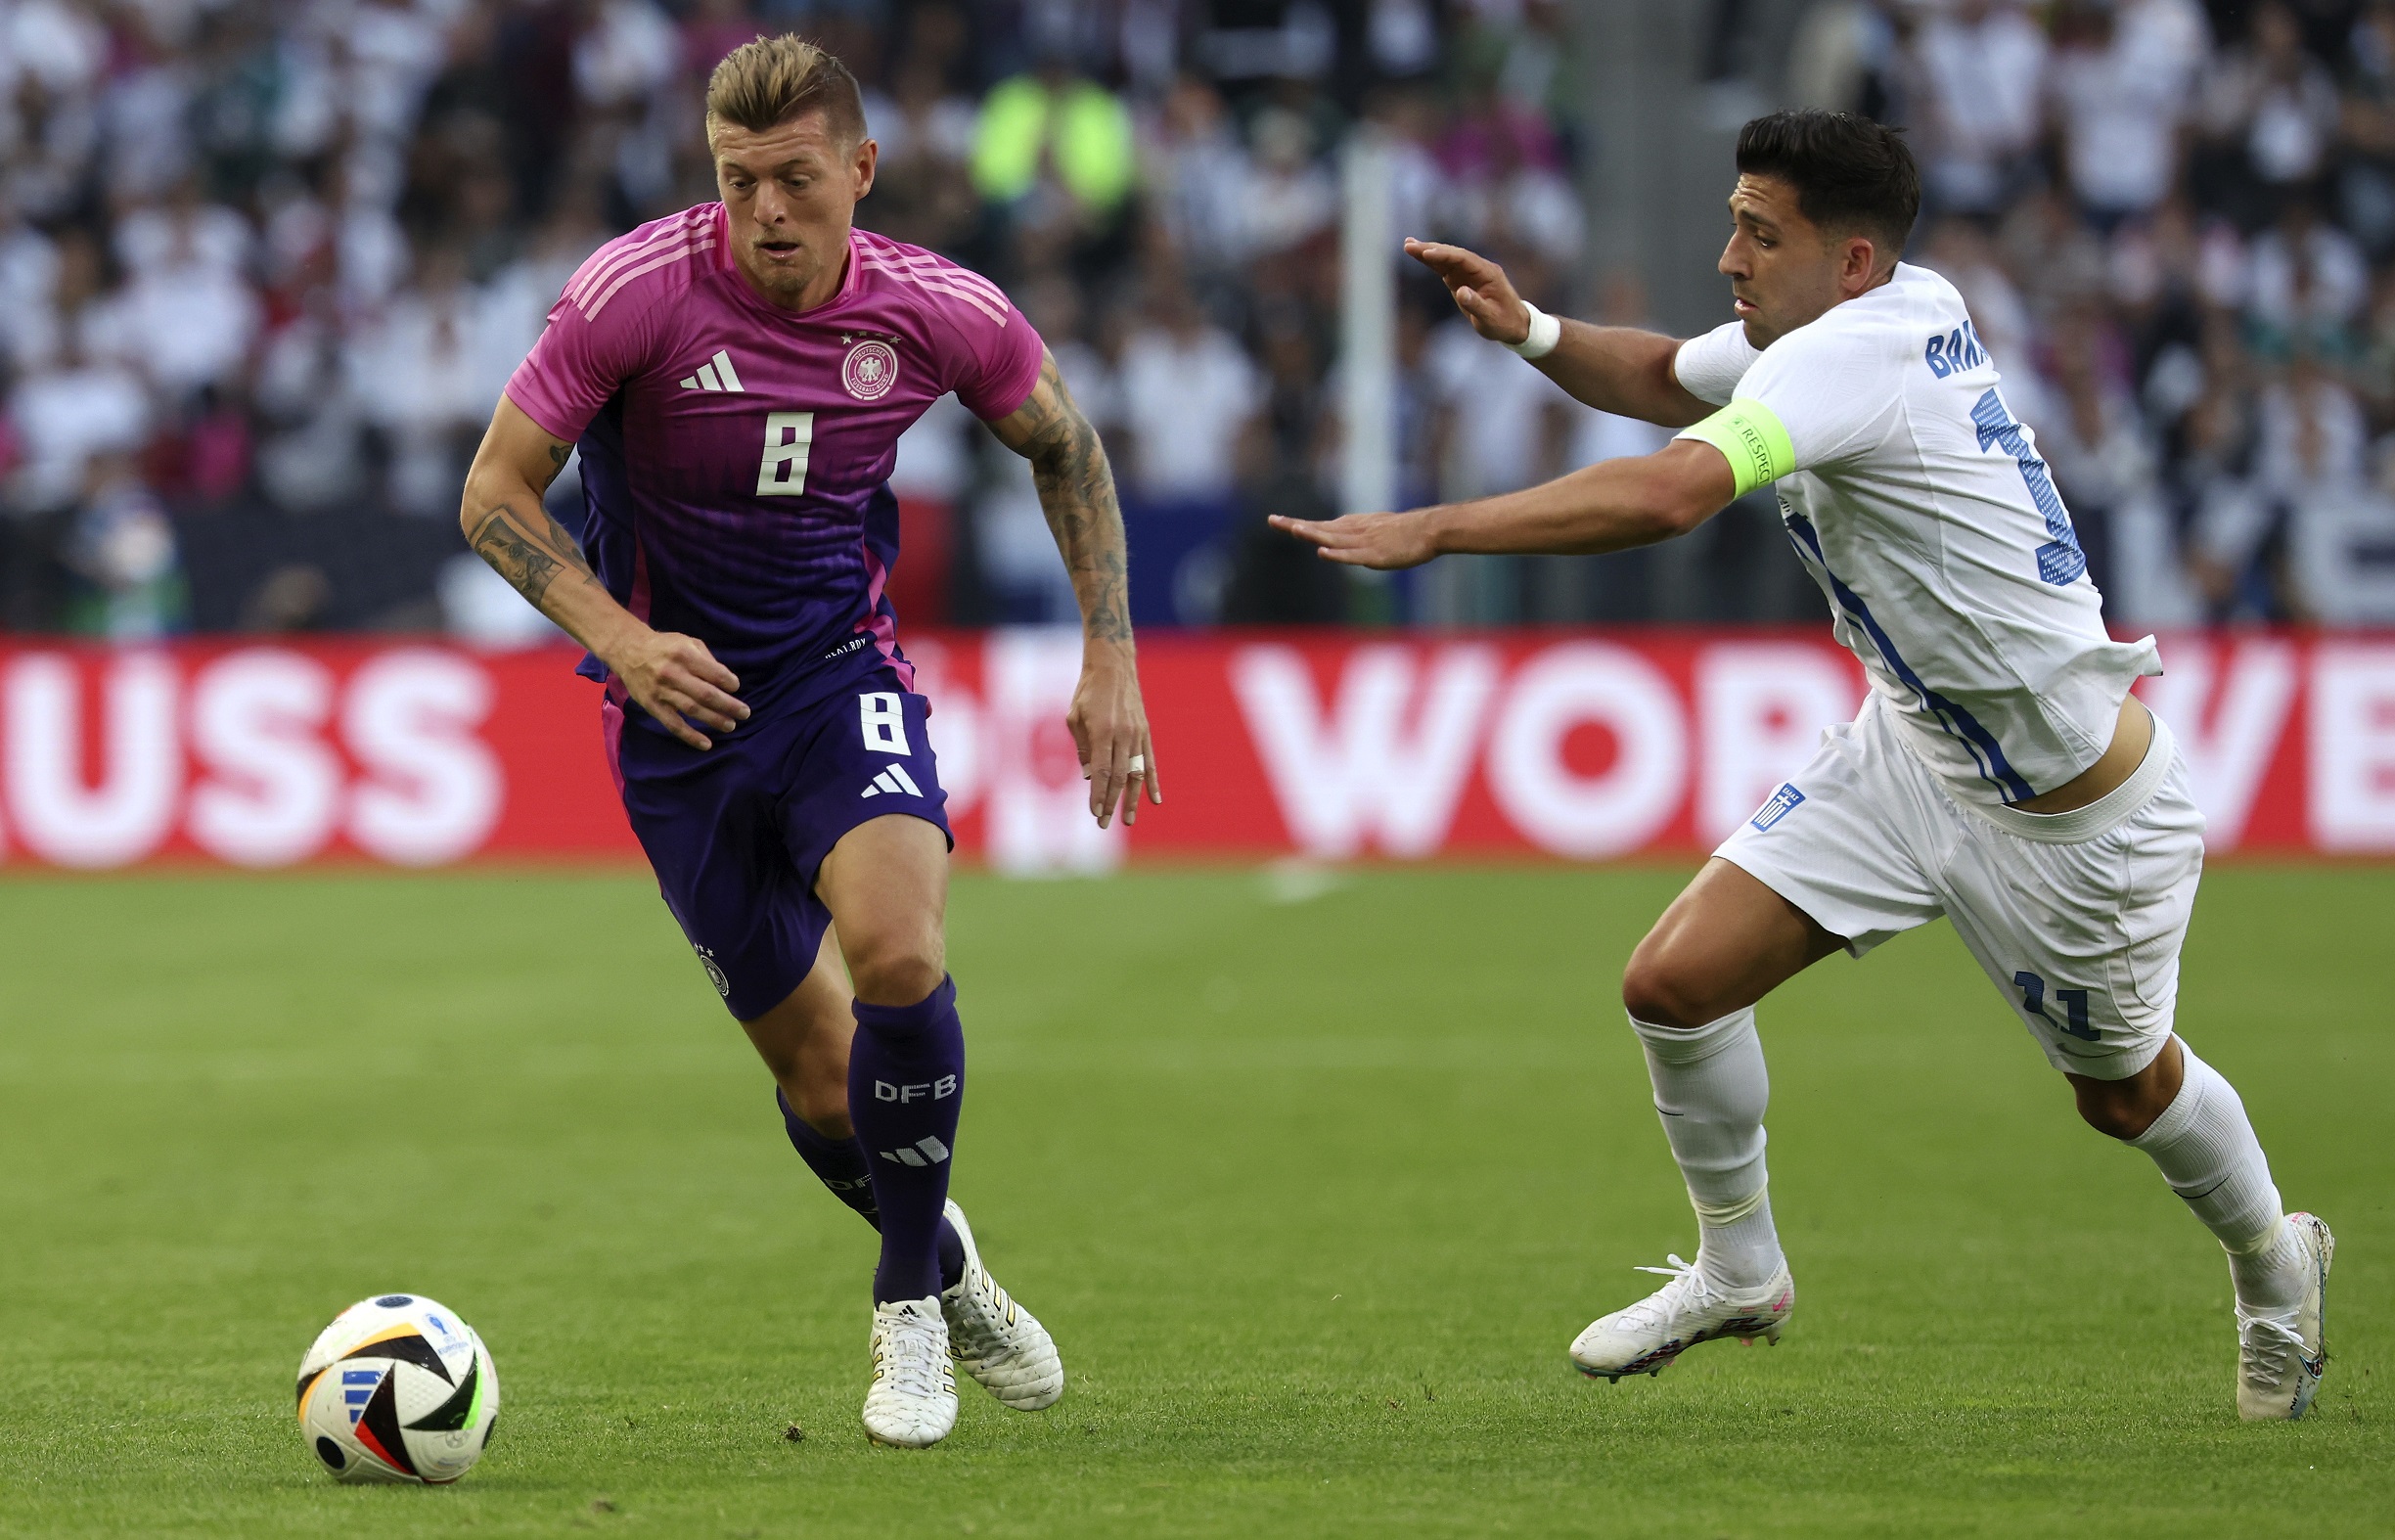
737,832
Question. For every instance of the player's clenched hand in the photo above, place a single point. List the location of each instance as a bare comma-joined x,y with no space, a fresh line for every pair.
1109,729
675,679
1380,540
1481,288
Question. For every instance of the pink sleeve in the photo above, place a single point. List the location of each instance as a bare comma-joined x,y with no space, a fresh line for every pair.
996,362
577,364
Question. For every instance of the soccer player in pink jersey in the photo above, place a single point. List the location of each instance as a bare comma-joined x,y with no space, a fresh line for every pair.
736,377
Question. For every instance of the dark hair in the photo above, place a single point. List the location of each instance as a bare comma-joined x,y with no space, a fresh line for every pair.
1851,176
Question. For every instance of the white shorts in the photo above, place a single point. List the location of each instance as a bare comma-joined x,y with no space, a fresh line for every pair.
2077,917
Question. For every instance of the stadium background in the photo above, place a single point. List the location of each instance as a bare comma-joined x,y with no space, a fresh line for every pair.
264,267
1314,1168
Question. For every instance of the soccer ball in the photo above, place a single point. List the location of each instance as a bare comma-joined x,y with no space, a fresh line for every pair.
398,1388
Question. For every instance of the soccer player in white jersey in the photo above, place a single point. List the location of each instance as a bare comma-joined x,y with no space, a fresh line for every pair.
1999,772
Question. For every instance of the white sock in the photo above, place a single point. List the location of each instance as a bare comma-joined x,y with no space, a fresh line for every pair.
2207,1151
1710,1090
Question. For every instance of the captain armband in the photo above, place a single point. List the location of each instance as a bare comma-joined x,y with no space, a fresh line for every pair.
1751,439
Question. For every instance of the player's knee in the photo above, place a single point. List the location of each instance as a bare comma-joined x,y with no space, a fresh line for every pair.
896,967
2110,1114
1656,991
2119,1108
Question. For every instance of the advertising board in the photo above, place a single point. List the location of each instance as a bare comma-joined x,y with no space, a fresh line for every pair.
1326,745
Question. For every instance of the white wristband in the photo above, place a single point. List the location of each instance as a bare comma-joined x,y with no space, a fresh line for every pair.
1545,333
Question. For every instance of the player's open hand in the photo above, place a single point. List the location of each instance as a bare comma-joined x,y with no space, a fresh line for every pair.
1479,287
1386,541
677,680
1109,729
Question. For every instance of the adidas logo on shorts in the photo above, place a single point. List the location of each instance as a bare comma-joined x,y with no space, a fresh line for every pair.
1775,808
895,781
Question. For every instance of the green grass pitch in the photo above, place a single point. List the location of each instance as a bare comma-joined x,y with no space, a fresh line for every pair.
1314,1180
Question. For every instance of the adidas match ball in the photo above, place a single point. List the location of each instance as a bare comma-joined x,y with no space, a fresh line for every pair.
398,1388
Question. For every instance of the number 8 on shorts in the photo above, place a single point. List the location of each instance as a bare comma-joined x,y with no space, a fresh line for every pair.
884,721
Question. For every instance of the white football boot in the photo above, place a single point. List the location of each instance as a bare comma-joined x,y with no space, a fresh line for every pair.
1000,1343
2281,1355
1645,1338
912,1403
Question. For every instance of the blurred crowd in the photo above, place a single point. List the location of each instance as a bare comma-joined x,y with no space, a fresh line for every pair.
2175,225
267,264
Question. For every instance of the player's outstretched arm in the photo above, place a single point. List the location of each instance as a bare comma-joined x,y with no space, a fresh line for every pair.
1610,506
1076,491
674,677
1616,369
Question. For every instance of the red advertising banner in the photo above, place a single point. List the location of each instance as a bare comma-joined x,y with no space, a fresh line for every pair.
1576,745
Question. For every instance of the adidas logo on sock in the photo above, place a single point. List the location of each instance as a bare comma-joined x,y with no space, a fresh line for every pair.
934,1153
716,374
895,781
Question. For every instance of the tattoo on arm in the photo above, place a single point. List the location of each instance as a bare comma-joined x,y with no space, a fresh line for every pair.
528,559
558,454
1076,491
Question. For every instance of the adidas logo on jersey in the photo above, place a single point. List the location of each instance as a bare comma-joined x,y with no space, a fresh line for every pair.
895,781
716,374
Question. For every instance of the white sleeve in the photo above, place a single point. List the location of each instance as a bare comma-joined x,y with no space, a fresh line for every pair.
1831,389
1709,367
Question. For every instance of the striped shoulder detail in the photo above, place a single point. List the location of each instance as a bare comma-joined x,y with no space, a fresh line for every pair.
652,247
911,264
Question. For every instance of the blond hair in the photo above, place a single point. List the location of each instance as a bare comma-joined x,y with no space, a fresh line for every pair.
763,84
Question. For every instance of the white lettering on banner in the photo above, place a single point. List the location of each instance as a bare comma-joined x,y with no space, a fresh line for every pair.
1761,707
1356,773
131,810
2353,747
1039,819
436,789
273,796
1577,684
2227,748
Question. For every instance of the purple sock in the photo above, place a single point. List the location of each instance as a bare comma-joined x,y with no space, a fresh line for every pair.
841,1165
906,1080
837,1163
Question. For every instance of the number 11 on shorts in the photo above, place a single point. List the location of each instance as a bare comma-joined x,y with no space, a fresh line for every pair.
2074,1003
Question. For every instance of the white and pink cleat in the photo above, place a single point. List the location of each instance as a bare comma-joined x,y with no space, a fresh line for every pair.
1645,1338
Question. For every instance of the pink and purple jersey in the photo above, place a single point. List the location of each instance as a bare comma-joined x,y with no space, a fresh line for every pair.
736,456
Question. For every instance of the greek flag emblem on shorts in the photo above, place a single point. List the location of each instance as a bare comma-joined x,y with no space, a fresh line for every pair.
1779,804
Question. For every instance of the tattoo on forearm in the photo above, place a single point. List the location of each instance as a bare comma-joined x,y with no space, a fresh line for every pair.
1076,491
530,560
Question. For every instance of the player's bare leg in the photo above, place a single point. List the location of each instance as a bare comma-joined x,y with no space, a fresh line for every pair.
1691,990
1725,943
804,1043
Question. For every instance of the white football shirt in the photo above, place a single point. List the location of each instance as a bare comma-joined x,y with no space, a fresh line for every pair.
1921,506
